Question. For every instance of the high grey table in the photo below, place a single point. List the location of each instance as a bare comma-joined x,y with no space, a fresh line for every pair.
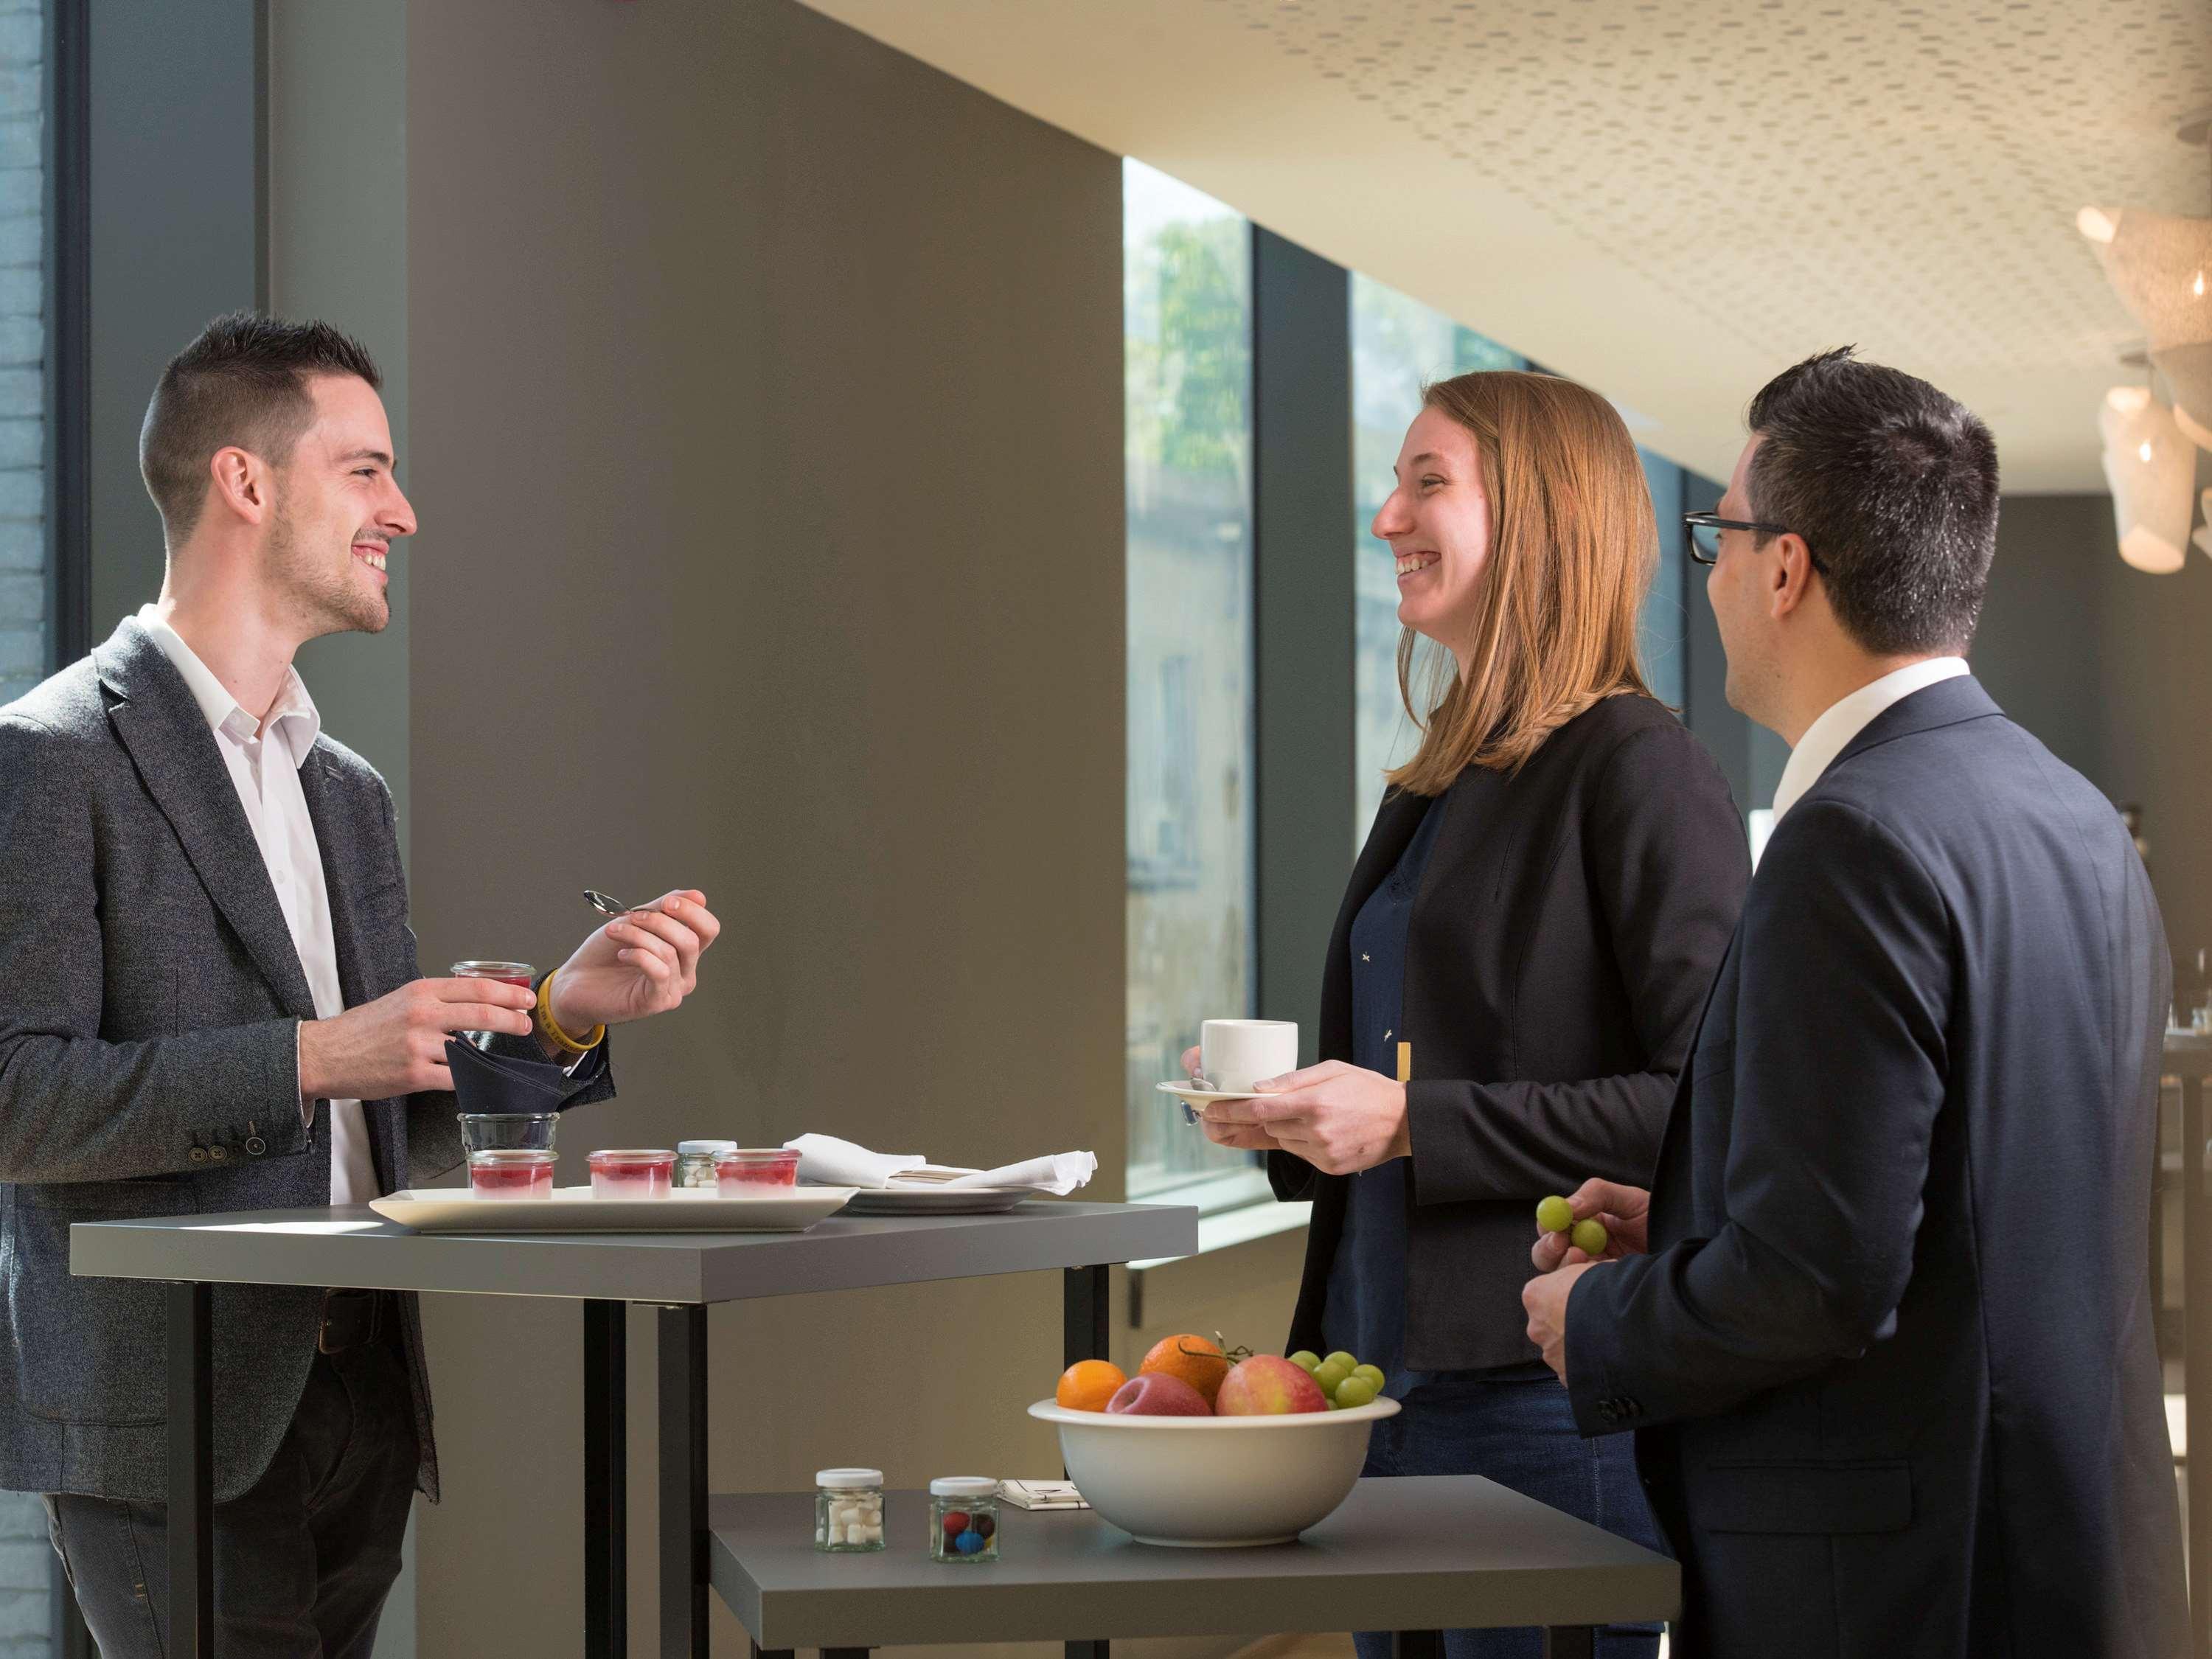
2189,1062
677,1273
1416,1556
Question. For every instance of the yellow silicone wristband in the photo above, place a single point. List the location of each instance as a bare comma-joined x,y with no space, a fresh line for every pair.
561,1040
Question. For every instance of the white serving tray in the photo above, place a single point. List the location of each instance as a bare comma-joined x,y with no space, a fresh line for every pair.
574,1210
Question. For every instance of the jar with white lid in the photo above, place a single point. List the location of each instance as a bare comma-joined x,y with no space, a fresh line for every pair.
963,1518
848,1510
694,1161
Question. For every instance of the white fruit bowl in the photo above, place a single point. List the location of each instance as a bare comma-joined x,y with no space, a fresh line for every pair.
1214,1482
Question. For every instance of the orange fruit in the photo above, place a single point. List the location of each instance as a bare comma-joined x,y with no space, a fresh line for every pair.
1088,1384
1194,1359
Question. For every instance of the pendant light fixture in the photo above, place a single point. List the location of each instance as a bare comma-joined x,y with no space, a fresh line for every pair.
2150,467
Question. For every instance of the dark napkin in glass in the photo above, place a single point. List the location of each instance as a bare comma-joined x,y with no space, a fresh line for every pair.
505,1083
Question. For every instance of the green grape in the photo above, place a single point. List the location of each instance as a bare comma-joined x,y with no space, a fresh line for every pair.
1373,1374
1306,1360
1555,1215
1331,1377
1354,1392
1590,1237
1341,1358
1333,1405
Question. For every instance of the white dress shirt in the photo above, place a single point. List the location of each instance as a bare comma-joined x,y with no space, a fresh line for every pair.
277,808
1829,735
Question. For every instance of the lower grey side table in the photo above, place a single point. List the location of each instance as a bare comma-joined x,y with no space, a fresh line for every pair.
678,1274
1416,1556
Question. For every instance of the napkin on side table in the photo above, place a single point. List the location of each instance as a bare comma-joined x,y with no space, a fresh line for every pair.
1059,1175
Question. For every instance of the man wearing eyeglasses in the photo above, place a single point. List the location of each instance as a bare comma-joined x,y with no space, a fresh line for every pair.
1883,1323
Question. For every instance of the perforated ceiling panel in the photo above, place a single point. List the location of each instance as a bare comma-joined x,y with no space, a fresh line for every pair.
1671,201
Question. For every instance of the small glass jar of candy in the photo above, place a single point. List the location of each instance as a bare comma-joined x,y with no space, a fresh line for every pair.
694,1161
963,1518
848,1510
632,1172
747,1169
512,1172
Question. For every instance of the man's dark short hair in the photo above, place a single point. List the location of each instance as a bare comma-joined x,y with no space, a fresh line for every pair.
243,381
1893,485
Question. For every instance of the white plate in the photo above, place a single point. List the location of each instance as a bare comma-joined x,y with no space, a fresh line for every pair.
574,1210
1193,1097
958,1200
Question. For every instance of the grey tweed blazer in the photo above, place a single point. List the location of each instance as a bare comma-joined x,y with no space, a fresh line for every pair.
149,993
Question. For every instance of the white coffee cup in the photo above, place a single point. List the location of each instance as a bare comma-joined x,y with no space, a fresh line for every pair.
1236,1054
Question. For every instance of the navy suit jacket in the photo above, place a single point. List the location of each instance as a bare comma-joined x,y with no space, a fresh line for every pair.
1890,1359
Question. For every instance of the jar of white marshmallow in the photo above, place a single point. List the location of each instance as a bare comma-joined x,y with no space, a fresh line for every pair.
848,1510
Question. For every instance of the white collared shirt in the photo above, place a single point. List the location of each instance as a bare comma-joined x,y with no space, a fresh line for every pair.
277,808
1829,735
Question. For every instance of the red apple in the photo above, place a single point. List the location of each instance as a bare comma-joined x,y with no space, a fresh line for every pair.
1268,1385
1158,1394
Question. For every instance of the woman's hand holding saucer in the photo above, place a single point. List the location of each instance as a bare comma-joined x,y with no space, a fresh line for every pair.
1340,1118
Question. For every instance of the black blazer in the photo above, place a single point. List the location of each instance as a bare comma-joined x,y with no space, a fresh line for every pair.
1893,1356
1567,927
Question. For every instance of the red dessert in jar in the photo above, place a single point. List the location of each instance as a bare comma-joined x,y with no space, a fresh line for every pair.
512,1172
751,1168
633,1173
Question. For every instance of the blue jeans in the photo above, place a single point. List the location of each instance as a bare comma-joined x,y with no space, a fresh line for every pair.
1520,1434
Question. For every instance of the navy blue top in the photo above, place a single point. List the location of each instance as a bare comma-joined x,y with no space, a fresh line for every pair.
1366,1308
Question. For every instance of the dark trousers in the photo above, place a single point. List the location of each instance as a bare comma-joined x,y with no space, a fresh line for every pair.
302,1561
1521,1434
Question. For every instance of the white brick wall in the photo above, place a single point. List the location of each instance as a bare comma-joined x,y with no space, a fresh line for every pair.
22,436
26,1557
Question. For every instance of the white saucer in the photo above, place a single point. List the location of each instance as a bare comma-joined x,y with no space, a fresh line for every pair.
1193,1097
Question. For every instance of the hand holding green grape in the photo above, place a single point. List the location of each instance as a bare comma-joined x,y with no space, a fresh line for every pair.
1603,1222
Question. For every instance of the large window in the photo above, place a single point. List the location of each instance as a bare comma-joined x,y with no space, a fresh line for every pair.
23,580
1187,310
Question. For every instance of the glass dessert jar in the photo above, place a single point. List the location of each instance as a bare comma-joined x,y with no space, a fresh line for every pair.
512,1172
963,1518
632,1172
485,1131
694,1161
507,973
848,1510
747,1168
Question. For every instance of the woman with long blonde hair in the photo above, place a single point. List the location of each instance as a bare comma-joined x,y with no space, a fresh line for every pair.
1542,903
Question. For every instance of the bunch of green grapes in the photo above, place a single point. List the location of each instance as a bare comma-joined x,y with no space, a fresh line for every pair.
1556,1215
1345,1382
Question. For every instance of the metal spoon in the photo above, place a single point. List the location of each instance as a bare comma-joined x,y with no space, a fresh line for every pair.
608,907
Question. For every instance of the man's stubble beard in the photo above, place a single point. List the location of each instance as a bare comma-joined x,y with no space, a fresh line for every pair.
324,601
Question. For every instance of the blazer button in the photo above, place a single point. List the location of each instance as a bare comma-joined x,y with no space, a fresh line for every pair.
199,1154
255,1145
1607,1410
218,1153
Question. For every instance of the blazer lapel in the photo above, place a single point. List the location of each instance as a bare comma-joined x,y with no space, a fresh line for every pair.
167,736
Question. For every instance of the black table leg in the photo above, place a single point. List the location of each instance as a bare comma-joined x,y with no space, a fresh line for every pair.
191,1473
2197,1360
607,1482
1570,1642
1085,1293
683,1557
1418,1644
760,1652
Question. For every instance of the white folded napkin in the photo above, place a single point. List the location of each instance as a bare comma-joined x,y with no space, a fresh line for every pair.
1059,1175
829,1162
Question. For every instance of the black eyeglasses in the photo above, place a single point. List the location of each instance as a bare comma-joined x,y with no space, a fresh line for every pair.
1704,530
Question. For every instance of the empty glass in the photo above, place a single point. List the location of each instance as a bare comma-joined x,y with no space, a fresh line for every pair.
507,973
490,1132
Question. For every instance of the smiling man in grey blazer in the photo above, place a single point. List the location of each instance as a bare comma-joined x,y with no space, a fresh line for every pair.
210,1001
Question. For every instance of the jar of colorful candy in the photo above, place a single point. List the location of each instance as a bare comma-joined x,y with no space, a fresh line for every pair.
963,1518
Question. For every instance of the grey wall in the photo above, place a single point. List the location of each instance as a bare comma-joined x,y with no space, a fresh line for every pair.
2112,669
765,401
